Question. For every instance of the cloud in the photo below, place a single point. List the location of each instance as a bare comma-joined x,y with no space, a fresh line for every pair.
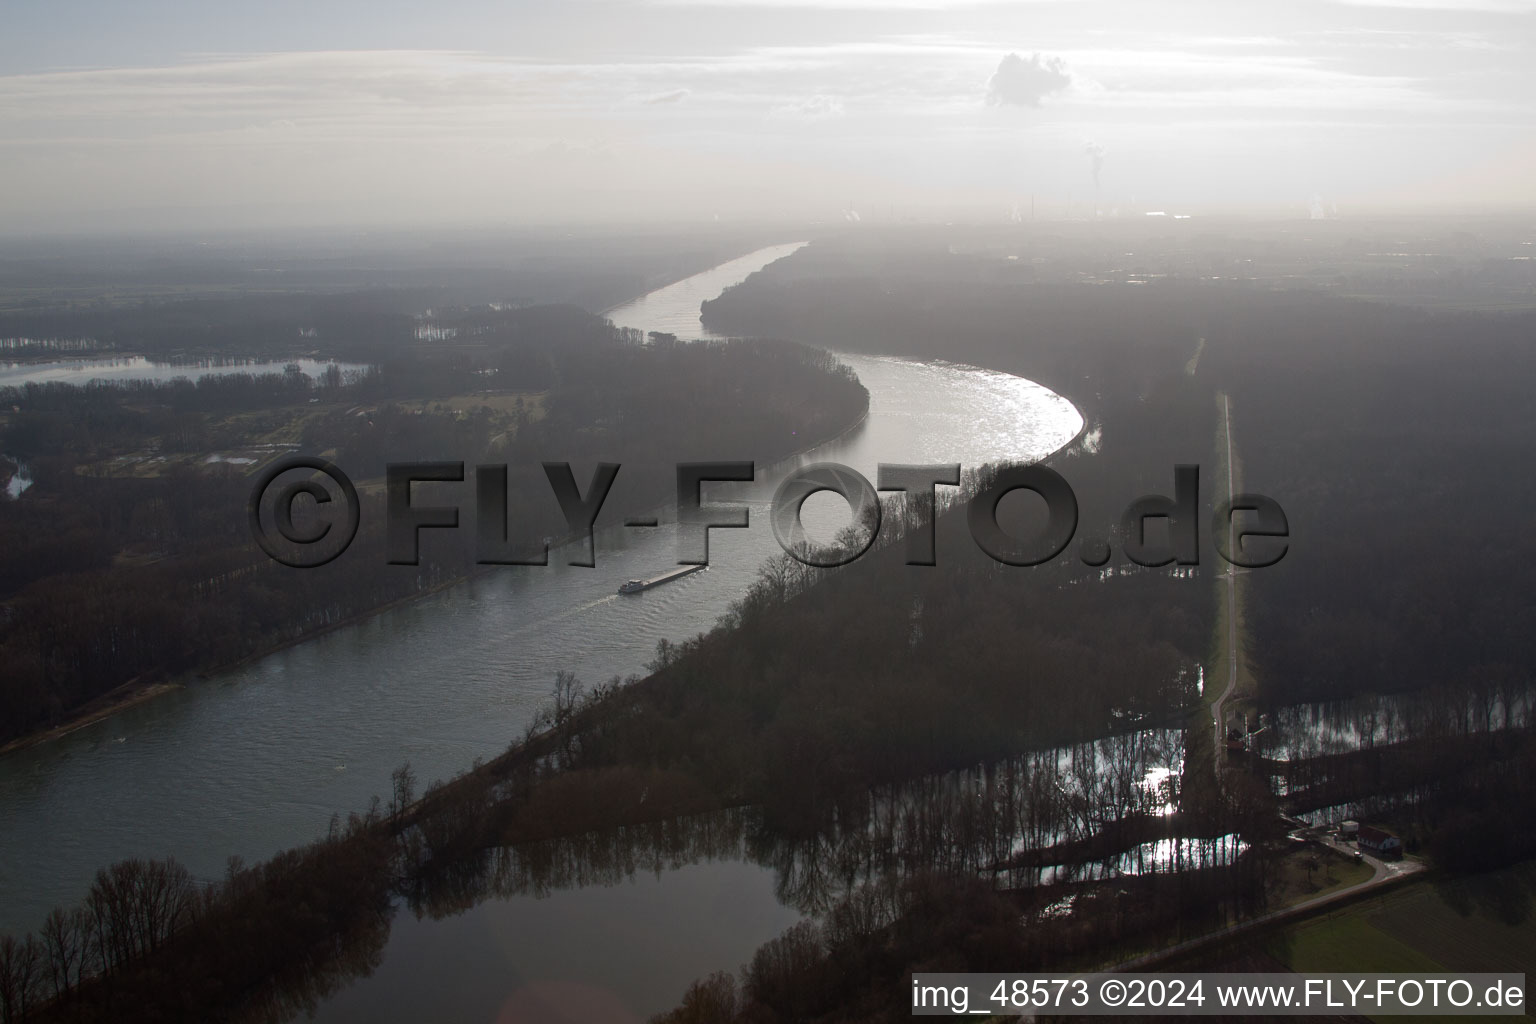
1485,6
814,108
848,5
665,97
1024,83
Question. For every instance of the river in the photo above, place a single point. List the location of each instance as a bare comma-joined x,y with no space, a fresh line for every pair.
258,758
122,369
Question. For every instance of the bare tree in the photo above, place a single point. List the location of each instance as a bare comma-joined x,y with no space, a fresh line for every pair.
402,790
135,906
21,977
568,691
709,1001
66,942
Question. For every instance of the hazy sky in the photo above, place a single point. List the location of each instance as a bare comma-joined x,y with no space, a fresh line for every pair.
232,114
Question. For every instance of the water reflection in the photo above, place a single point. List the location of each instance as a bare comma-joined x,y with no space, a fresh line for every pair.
1326,760
20,477
1302,731
1160,856
307,987
702,893
617,922
674,309
1096,801
131,368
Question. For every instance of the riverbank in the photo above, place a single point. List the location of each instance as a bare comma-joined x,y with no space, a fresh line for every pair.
130,694
136,692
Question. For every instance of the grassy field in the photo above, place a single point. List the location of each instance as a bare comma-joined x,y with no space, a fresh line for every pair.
1478,923
531,402
1330,871
1347,942
267,433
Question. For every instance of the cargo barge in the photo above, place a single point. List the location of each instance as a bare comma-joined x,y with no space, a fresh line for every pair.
635,586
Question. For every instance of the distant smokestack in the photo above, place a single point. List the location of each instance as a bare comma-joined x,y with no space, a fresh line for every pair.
1096,156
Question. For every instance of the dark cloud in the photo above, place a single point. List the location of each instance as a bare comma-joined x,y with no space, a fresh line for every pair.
1023,83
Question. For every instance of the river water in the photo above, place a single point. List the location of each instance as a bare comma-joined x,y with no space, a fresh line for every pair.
258,758
131,368
674,309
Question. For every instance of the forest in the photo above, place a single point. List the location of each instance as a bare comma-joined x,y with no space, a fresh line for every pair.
346,293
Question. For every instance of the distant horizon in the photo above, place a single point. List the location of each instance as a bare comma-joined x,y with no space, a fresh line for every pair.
177,115
163,226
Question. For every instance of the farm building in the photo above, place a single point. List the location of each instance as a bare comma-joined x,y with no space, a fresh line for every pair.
1383,844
